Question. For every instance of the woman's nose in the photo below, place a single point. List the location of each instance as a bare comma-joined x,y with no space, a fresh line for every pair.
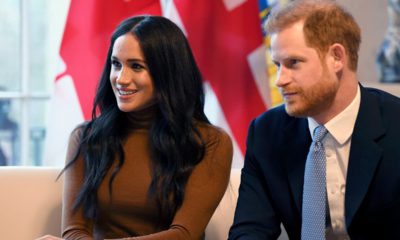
123,77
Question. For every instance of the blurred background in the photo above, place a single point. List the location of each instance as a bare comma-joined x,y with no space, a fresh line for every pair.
34,106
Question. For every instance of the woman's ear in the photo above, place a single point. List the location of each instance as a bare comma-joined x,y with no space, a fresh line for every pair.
338,54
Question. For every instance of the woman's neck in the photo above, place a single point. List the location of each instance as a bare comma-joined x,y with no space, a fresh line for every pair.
142,118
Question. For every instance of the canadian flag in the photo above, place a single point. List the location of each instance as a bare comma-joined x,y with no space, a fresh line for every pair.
83,50
226,39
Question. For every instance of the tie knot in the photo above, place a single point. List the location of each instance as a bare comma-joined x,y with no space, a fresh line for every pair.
319,133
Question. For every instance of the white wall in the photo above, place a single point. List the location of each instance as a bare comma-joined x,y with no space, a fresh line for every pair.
372,17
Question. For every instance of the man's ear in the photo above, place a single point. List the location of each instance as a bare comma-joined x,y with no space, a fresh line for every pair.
338,55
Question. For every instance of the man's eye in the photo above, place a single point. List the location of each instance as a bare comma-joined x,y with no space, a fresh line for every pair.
293,62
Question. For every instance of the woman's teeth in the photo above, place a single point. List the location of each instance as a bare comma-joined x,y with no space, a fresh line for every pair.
122,92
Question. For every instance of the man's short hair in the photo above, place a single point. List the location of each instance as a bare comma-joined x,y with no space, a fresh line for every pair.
325,23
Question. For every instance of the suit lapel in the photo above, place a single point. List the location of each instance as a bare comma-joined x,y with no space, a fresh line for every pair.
297,142
365,153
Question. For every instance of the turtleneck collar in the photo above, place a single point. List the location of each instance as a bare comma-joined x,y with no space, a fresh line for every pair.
142,119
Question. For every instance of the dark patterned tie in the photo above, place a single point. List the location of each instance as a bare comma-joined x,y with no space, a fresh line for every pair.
314,192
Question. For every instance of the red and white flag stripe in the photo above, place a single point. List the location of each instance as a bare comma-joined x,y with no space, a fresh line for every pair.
83,50
226,39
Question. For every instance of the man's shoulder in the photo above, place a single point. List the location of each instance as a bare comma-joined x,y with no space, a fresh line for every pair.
383,95
386,100
276,116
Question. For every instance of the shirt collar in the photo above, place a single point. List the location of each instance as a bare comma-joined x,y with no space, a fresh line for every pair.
342,125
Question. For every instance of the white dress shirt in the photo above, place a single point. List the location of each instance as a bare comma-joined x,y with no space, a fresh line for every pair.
337,150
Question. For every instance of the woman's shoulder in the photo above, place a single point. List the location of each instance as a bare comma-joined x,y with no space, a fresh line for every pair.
76,133
218,146
212,134
74,142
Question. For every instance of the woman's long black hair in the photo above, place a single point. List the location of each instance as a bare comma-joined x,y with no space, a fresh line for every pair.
175,142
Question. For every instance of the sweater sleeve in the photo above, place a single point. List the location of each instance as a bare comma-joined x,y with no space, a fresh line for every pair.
74,226
204,190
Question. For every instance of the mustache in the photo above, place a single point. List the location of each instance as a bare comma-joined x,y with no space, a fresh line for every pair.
289,90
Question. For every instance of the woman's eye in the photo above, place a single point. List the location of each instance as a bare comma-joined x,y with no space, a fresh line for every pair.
136,66
115,64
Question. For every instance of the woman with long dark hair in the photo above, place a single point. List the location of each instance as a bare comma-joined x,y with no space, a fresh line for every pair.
148,165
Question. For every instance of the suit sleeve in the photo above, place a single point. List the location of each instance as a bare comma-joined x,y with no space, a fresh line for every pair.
255,217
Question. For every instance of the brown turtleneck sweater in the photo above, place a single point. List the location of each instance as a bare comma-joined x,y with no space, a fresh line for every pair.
132,214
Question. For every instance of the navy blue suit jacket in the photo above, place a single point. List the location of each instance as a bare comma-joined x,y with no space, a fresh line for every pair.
272,177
